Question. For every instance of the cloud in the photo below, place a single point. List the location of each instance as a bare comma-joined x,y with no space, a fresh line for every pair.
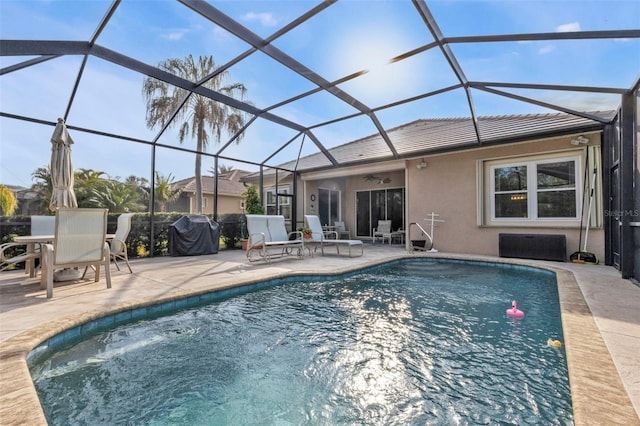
565,28
546,49
174,34
266,19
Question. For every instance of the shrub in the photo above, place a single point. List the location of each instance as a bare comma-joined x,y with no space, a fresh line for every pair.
230,229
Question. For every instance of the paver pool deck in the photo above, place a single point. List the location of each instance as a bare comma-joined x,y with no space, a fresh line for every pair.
600,315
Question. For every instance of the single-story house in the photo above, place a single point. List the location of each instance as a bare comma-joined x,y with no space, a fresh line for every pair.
29,201
230,190
531,176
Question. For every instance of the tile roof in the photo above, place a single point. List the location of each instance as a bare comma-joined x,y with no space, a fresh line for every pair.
428,136
228,183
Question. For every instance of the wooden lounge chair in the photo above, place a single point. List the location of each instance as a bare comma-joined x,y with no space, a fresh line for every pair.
79,241
269,239
322,239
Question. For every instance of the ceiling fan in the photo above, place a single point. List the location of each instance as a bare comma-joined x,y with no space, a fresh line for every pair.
378,179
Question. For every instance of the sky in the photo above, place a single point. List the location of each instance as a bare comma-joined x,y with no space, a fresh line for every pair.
346,37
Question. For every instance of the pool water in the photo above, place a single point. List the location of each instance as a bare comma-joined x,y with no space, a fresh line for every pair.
418,342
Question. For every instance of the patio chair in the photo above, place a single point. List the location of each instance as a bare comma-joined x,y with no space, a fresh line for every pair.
79,241
118,245
322,239
40,225
342,230
7,259
383,231
43,225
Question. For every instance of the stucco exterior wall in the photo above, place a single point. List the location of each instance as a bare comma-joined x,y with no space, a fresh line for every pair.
448,186
226,204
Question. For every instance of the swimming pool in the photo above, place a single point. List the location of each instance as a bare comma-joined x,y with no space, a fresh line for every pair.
415,342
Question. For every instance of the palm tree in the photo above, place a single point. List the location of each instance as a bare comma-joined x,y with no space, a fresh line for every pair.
86,182
199,114
43,186
118,197
222,169
141,186
164,193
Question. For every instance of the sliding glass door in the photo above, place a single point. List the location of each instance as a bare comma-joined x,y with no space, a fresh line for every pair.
380,204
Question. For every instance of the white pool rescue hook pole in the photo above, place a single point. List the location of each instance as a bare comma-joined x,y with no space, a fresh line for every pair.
432,218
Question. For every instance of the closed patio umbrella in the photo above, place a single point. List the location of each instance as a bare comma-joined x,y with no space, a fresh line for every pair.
61,168
62,182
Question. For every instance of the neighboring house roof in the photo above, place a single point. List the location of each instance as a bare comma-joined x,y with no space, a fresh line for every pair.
228,184
429,136
23,193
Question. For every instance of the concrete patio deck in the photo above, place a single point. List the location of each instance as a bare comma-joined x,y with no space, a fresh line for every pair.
600,314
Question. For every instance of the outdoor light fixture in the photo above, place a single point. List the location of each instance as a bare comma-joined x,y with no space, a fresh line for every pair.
421,165
580,140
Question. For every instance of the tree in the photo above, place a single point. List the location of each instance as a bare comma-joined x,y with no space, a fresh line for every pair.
199,114
252,203
43,186
141,186
86,183
163,192
8,202
222,169
118,197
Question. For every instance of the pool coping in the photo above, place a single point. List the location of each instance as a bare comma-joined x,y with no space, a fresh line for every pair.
597,392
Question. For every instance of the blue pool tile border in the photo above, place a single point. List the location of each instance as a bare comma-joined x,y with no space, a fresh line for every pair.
77,333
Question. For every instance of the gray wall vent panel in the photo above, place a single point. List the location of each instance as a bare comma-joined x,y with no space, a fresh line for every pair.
533,246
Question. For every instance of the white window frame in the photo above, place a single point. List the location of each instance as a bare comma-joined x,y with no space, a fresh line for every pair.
532,190
284,201
486,187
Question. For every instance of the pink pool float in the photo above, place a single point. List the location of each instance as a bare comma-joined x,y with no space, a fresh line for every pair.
514,311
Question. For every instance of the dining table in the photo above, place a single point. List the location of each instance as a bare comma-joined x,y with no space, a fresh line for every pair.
32,240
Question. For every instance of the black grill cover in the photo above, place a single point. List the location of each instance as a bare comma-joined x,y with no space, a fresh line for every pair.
193,235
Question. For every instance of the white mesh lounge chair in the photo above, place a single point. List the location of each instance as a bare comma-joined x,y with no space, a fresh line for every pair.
322,239
269,239
118,245
79,241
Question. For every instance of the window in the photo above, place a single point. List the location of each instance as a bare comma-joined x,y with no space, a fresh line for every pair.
279,203
328,206
535,190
